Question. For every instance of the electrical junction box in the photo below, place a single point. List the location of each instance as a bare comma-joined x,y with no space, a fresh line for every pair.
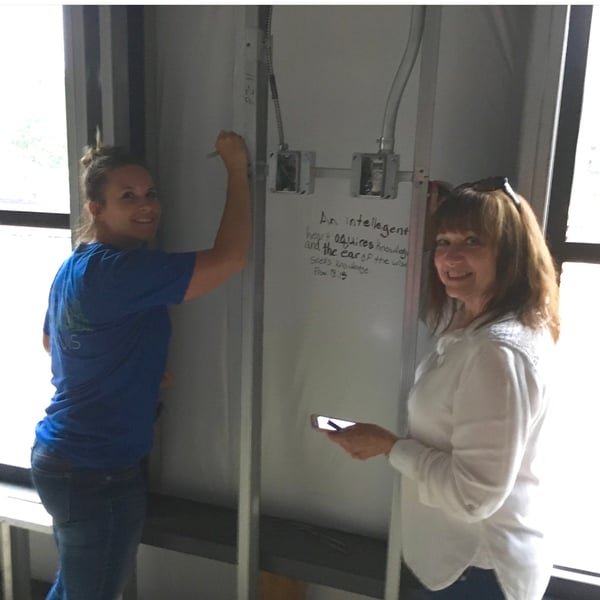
291,171
374,175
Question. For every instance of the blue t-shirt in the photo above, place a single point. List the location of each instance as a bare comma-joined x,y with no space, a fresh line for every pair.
109,332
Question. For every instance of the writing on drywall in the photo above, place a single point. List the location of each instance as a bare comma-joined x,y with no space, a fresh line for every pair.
354,244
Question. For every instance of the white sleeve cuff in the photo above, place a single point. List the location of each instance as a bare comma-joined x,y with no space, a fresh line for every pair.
405,456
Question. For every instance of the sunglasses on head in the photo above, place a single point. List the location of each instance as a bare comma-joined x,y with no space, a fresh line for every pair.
493,184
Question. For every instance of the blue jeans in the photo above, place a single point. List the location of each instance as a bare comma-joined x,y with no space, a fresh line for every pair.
98,516
473,584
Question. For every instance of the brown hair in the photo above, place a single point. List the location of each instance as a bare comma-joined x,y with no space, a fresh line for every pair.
95,165
526,278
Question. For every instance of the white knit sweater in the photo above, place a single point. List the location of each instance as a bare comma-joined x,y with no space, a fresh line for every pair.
471,493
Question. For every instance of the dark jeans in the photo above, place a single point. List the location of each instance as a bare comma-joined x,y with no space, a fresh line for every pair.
98,517
473,584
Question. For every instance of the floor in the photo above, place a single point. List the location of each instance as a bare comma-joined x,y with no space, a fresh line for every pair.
39,589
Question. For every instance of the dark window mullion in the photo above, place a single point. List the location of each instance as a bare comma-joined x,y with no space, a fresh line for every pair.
572,252
35,219
136,73
568,128
92,68
565,587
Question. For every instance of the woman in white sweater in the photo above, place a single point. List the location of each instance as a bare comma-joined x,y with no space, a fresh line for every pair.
473,517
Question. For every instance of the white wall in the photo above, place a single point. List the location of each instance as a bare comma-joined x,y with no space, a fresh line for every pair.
332,345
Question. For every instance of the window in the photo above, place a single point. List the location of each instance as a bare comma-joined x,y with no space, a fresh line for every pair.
574,238
35,231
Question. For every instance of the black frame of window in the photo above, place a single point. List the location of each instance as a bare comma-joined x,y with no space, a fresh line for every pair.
20,218
136,69
17,218
566,143
580,18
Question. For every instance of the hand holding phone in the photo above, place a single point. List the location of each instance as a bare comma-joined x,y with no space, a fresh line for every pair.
326,423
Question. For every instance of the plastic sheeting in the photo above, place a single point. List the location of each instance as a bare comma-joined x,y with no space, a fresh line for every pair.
193,81
332,322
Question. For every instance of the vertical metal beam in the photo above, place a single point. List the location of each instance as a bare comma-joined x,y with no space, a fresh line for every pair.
98,90
114,74
76,100
250,118
150,58
567,134
16,572
6,561
410,319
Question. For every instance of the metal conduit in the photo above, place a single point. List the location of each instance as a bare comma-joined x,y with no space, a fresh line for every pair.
417,21
271,75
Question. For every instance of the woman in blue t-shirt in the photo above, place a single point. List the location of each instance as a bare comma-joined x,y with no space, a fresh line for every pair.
107,331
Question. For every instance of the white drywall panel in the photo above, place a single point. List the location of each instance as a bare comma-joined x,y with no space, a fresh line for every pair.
335,265
199,431
332,323
331,327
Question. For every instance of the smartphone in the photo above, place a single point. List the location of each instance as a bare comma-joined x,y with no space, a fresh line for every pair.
329,423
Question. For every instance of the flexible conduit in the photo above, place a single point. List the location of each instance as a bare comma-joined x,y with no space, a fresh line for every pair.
417,21
272,82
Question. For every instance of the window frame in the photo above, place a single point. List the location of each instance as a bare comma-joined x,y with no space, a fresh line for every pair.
570,583
44,220
20,218
89,32
566,143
